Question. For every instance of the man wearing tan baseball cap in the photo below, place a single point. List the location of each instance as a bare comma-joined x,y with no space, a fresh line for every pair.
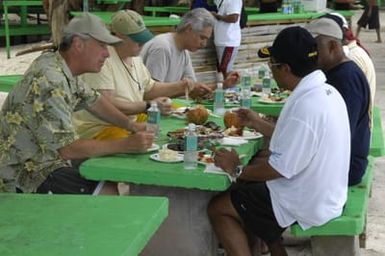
126,81
91,25
37,126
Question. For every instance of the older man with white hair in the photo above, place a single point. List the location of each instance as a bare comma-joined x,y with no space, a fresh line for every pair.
167,55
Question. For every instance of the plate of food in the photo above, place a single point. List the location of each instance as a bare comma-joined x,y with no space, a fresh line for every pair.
180,112
209,130
272,99
247,135
167,156
205,158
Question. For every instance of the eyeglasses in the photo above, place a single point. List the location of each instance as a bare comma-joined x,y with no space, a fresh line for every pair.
271,64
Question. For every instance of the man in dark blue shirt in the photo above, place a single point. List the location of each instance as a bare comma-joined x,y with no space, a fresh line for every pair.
350,81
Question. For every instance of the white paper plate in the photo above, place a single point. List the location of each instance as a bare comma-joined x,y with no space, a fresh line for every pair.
154,147
155,157
269,101
247,135
179,112
235,141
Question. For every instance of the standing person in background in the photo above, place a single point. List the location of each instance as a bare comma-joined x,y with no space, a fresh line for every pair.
266,6
203,4
227,33
370,18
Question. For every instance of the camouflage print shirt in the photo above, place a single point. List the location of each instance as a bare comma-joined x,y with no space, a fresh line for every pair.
36,121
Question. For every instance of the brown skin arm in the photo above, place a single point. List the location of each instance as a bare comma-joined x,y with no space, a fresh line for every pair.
252,120
259,171
230,18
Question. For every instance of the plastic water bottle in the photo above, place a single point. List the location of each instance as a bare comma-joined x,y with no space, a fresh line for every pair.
219,99
246,92
153,119
85,6
190,158
290,7
266,85
285,7
261,72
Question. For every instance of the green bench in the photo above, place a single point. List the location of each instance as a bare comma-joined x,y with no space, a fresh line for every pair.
377,147
340,236
24,28
7,82
43,225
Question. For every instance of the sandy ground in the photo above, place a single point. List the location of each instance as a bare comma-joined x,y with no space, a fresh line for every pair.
375,245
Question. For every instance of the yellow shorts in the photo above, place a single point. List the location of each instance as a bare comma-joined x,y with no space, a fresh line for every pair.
114,132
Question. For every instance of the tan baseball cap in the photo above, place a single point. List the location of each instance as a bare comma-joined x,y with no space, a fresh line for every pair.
325,27
131,24
89,24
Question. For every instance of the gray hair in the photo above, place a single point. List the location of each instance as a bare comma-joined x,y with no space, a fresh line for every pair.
67,40
198,18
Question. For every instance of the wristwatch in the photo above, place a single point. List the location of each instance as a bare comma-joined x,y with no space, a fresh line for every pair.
238,171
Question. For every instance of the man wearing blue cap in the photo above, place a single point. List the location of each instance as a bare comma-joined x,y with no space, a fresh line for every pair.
304,179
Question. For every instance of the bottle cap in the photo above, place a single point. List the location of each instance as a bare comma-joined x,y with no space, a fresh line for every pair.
191,126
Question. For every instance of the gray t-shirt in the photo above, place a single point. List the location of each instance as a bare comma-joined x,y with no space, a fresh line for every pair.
165,61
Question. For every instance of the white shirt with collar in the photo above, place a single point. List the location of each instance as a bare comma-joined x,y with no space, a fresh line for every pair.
310,148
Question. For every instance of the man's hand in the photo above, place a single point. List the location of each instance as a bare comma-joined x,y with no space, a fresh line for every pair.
227,160
200,90
164,105
248,117
232,79
136,126
139,142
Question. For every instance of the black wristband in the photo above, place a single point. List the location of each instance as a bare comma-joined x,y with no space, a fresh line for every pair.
148,105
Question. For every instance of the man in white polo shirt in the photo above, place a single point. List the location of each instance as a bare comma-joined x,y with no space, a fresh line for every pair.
305,177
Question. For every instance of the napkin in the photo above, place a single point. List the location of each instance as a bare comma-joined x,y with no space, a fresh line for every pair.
211,168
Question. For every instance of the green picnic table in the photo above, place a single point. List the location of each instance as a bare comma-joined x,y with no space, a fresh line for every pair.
33,224
252,12
180,10
280,18
148,20
187,230
7,82
23,28
140,169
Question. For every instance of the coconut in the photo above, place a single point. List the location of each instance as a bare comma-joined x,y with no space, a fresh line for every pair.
197,115
233,124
